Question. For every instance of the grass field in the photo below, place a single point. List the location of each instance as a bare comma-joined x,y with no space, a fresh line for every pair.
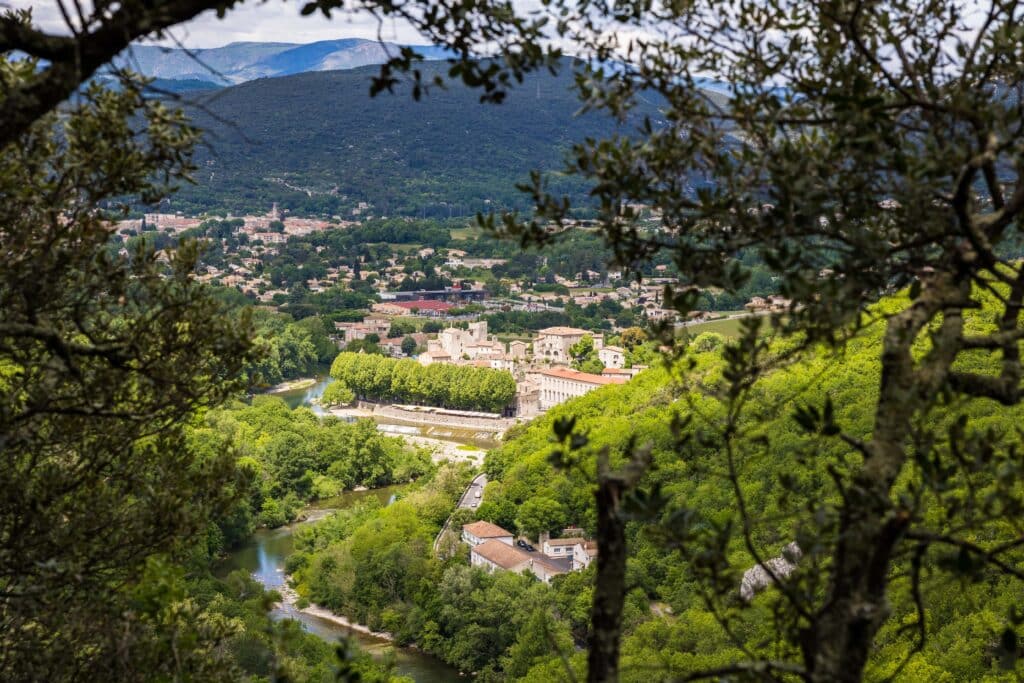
404,248
728,328
467,233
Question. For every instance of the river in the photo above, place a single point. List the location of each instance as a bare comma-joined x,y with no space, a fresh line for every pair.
264,557
307,396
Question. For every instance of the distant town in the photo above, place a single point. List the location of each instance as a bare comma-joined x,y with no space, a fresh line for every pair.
430,302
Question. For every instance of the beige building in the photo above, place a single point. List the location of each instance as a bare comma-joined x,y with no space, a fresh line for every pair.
429,357
517,350
552,343
478,533
612,357
558,385
458,343
561,547
494,554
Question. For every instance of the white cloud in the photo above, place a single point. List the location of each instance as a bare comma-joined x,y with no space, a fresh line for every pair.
271,21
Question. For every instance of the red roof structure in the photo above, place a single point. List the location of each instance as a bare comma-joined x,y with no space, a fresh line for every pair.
425,305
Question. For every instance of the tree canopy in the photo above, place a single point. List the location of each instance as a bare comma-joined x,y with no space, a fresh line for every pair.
440,384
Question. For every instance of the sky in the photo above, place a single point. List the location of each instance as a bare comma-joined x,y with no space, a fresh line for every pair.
270,21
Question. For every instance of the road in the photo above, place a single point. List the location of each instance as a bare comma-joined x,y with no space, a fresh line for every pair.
469,497
467,500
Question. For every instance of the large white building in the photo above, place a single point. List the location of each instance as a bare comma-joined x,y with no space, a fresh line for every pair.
558,385
552,343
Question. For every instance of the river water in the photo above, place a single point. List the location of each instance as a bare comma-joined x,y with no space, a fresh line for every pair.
306,397
264,557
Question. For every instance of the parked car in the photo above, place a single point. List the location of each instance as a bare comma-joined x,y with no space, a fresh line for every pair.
530,548
521,543
478,493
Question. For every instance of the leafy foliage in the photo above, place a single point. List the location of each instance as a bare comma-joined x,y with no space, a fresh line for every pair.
295,456
104,361
450,386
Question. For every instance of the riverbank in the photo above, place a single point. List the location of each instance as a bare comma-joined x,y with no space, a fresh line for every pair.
441,450
436,422
290,598
292,385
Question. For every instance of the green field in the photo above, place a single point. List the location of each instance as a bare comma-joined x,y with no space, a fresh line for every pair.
467,233
729,328
404,248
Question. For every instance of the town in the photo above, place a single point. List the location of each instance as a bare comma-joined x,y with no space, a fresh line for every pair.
424,294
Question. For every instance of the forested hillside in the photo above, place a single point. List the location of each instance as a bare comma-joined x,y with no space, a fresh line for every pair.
316,142
669,629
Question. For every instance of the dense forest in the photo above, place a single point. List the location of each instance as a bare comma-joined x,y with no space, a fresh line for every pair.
324,154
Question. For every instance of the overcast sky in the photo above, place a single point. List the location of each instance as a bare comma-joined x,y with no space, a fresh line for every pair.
272,21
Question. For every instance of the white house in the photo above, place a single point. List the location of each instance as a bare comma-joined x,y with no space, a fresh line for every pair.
561,547
478,533
583,554
612,357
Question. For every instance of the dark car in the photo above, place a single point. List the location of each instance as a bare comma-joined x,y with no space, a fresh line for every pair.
521,543
530,548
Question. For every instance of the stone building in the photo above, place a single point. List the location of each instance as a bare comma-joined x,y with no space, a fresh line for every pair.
612,357
558,385
552,343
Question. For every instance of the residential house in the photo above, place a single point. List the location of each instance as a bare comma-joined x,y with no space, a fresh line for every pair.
477,533
429,357
546,568
612,357
560,547
517,350
494,554
583,554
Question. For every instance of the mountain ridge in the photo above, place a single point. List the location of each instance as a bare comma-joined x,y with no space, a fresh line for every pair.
317,143
244,61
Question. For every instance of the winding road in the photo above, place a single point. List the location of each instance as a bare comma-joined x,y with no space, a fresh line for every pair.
469,499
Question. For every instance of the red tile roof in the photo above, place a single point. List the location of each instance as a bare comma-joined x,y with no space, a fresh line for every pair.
425,305
501,554
485,530
586,377
566,541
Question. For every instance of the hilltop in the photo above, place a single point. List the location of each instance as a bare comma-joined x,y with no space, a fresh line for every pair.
246,61
316,142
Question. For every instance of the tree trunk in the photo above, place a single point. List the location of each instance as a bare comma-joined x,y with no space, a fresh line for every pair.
837,644
609,586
